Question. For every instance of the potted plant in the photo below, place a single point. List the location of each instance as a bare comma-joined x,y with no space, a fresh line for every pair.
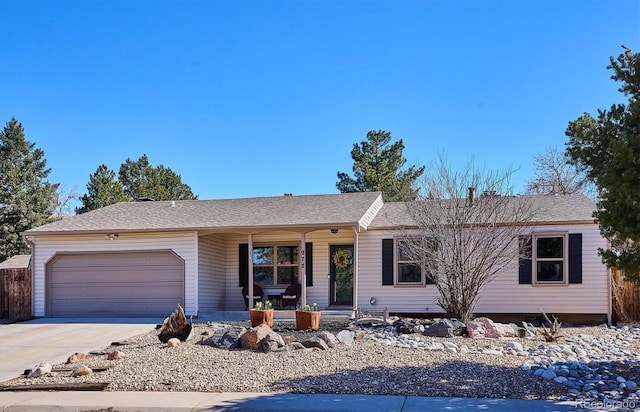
261,314
308,317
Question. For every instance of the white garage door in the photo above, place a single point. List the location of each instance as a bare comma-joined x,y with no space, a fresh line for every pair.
114,284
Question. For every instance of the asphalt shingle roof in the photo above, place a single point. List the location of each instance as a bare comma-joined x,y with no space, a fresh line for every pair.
281,211
551,209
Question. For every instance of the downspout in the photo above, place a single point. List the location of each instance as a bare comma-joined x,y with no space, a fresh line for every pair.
609,298
609,290
32,270
302,273
250,274
356,245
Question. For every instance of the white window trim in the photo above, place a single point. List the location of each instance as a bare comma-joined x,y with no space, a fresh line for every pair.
396,261
535,260
275,264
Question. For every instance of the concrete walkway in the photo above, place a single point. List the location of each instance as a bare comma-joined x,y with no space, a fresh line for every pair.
25,344
200,402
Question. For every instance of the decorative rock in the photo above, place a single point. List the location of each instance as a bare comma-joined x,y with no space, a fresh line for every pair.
516,346
404,326
175,326
252,338
83,370
40,369
116,355
173,342
315,343
436,346
443,328
288,339
272,342
486,328
330,339
346,336
76,357
225,338
631,385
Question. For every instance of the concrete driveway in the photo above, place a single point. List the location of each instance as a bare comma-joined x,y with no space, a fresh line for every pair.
25,344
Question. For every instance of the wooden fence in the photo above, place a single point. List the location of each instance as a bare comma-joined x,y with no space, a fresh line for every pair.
626,298
15,294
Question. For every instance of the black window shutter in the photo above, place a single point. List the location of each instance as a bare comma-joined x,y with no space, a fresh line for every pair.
309,261
575,258
525,265
387,261
243,264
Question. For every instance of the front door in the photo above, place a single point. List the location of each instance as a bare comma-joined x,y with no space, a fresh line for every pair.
341,276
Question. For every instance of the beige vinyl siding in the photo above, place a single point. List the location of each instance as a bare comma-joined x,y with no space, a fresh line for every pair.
183,244
318,293
503,294
211,273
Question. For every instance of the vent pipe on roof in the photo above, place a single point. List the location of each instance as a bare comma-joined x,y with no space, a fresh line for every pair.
172,203
288,194
470,196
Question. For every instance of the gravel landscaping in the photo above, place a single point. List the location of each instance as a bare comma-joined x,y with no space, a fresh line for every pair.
380,362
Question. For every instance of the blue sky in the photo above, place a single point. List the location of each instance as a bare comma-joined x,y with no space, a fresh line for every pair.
259,98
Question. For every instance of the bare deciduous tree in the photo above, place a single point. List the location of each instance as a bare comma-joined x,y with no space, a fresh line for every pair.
555,176
463,240
62,202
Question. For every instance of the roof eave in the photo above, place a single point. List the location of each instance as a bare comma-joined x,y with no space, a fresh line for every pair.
191,229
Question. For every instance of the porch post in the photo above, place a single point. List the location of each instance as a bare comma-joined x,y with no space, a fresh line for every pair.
302,273
355,267
250,275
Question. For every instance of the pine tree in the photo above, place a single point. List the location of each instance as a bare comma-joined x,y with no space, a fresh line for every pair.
26,197
608,149
377,166
141,180
136,180
102,190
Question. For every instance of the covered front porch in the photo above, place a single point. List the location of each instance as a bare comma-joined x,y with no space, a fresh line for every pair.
233,267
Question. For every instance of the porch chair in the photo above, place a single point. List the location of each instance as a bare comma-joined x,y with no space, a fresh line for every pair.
291,295
257,296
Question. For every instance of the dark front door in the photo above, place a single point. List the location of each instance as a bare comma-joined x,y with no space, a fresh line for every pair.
341,275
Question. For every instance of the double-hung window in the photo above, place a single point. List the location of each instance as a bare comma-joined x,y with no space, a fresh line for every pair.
275,265
409,267
550,258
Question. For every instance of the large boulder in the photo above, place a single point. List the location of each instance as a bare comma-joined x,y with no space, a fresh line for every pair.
116,355
330,339
76,358
315,343
43,368
442,328
225,338
486,328
252,339
272,342
403,326
82,370
346,336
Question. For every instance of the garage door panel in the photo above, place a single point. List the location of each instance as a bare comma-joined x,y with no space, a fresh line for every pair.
115,284
132,291
114,308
